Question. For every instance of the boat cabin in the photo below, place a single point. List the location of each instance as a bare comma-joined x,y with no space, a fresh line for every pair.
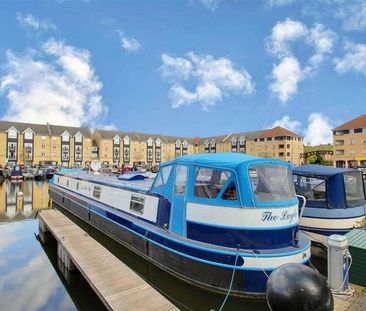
329,187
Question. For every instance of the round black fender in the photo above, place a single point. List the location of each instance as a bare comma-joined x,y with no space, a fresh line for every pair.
295,287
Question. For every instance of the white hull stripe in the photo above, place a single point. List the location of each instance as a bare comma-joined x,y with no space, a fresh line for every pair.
321,223
241,217
271,263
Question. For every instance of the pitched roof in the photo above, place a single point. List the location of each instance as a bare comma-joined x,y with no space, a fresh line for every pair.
57,130
355,123
275,132
40,129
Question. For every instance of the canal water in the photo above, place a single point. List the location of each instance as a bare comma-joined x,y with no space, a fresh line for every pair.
30,277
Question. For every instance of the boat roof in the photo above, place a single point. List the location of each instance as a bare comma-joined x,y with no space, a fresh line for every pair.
314,170
230,160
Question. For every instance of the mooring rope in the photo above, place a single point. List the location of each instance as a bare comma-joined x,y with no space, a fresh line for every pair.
231,281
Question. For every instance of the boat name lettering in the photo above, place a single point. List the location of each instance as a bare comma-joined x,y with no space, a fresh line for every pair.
284,216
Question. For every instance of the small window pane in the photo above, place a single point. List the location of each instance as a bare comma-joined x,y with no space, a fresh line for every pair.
180,180
230,192
354,187
209,182
163,176
311,188
272,183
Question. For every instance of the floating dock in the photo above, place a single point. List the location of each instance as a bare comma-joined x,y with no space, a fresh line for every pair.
118,287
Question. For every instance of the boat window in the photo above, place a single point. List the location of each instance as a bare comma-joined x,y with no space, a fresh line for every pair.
163,176
209,182
96,192
354,187
272,183
311,188
230,192
180,179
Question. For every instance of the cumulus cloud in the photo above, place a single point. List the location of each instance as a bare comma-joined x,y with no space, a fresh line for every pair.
209,78
129,44
56,84
353,60
287,123
287,74
352,14
32,22
317,131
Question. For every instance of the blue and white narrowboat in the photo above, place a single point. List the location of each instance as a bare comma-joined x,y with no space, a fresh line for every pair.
335,200
203,218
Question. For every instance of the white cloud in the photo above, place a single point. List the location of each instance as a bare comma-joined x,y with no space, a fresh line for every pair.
34,23
284,32
55,84
287,123
353,14
280,2
288,73
353,60
319,130
129,44
210,4
210,78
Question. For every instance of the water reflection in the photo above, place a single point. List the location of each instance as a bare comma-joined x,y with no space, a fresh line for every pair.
15,209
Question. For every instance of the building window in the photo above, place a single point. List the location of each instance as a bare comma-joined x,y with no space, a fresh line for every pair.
281,154
28,134
149,155
43,154
269,138
288,154
28,151
78,138
339,152
43,146
115,154
13,133
65,137
281,146
288,145
185,147
126,154
351,141
340,142
178,152
352,151
116,140
364,140
364,151
54,146
65,153
261,139
12,151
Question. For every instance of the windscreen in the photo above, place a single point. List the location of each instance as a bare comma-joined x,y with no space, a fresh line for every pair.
272,183
354,187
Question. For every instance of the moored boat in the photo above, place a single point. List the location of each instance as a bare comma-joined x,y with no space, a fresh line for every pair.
16,173
49,173
29,174
39,175
203,218
335,200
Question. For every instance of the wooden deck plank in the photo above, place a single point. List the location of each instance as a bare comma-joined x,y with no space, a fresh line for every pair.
119,287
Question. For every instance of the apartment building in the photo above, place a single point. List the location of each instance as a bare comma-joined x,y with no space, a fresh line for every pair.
132,148
349,141
27,143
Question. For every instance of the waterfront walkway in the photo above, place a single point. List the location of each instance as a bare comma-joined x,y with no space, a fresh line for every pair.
118,287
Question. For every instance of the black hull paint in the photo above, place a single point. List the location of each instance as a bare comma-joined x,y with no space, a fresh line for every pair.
215,279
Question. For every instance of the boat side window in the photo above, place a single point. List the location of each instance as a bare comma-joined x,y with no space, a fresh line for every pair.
311,188
180,182
354,187
272,183
163,176
209,182
230,192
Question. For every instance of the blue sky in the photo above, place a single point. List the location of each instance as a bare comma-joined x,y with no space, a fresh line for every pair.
193,68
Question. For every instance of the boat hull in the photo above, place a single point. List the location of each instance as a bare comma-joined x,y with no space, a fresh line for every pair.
165,253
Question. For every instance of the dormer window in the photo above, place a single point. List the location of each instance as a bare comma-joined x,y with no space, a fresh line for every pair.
158,142
177,143
126,140
150,142
78,137
13,133
241,140
116,140
28,134
65,136
185,144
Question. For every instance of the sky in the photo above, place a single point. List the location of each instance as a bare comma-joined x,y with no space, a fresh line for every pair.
186,68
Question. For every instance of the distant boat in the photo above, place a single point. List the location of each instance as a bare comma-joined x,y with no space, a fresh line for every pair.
335,200
49,173
29,174
39,175
16,173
